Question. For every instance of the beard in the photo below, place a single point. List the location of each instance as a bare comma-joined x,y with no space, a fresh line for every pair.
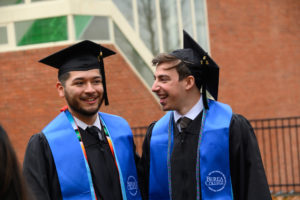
75,106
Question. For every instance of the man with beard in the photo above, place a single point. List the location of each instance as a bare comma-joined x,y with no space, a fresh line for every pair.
82,153
200,149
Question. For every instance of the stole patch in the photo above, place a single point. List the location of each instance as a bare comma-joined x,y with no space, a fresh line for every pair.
215,181
132,185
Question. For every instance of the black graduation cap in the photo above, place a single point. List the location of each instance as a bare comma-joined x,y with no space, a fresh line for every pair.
82,56
202,66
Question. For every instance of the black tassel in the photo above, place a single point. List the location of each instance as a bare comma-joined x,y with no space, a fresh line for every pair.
204,98
100,59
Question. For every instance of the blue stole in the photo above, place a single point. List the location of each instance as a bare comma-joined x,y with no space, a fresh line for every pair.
213,155
71,165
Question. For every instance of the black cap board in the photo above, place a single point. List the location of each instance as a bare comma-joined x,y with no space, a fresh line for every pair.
82,56
202,66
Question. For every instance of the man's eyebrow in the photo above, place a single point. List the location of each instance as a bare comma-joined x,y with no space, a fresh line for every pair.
78,79
82,78
162,75
172,67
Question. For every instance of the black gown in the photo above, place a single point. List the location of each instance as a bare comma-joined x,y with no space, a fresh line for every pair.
40,172
247,173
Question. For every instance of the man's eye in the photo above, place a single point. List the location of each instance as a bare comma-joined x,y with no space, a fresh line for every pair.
78,83
97,81
163,78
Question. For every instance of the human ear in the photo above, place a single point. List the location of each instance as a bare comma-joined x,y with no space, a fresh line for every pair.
60,89
190,82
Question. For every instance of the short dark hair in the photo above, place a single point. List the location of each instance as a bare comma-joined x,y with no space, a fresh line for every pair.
63,78
181,68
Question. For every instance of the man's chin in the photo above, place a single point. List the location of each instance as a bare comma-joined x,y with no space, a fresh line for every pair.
87,111
90,112
165,108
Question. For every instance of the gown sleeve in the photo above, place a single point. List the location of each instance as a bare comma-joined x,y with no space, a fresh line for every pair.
144,164
39,169
248,177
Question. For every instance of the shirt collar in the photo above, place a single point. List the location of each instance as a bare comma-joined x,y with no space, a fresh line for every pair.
192,113
83,125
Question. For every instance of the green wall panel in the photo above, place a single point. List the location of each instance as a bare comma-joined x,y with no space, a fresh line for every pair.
43,30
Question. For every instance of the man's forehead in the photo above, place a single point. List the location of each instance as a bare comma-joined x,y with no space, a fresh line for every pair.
165,71
86,73
168,65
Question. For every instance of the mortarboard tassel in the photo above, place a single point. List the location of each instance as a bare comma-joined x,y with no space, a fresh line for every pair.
204,64
204,97
100,59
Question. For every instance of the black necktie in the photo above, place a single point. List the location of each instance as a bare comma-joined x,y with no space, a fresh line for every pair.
95,131
184,122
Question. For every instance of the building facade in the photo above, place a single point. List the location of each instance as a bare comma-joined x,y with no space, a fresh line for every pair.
255,43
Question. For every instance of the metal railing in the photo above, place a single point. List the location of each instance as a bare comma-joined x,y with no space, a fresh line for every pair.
139,134
279,143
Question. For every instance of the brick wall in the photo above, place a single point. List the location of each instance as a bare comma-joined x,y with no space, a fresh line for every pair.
257,45
29,99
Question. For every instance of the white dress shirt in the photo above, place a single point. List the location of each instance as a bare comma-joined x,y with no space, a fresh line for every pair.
191,114
83,125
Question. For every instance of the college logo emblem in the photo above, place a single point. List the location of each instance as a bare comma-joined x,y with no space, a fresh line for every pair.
132,185
215,181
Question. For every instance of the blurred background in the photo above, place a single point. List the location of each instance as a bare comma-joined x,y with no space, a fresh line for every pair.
255,43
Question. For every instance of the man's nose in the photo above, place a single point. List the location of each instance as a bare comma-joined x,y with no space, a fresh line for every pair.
155,87
89,88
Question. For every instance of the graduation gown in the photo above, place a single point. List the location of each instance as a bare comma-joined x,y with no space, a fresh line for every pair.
40,171
247,173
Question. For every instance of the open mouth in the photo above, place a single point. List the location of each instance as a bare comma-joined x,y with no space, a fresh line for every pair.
90,100
162,99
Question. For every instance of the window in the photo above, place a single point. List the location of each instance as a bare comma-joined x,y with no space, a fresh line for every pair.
133,56
169,21
41,30
91,27
125,7
38,0
201,25
10,2
3,35
148,24
187,16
